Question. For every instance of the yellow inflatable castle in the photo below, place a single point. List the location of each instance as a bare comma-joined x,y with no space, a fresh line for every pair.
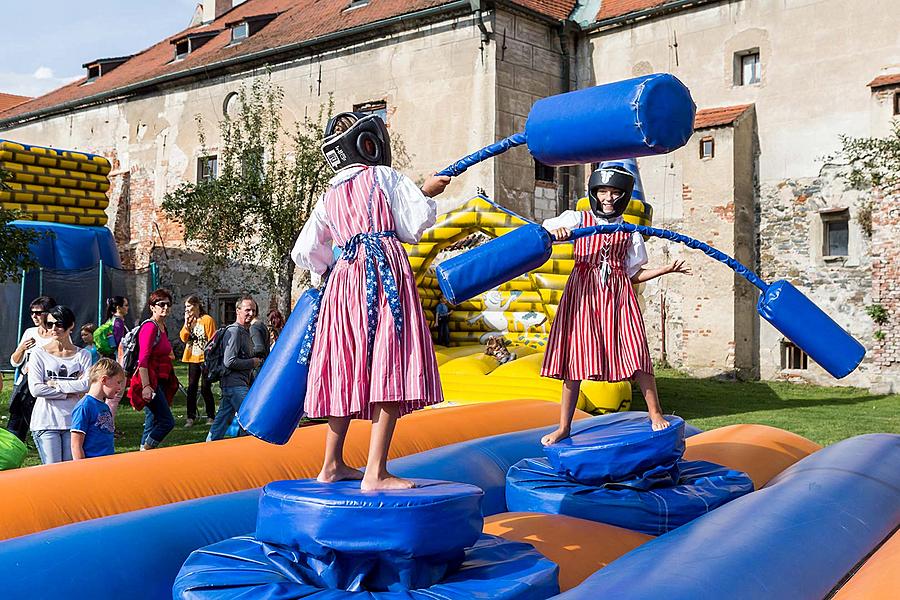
519,311
57,186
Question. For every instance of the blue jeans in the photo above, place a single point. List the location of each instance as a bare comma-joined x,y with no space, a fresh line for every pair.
232,397
53,445
158,419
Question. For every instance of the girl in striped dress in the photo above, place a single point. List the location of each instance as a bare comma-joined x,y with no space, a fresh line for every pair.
372,357
598,332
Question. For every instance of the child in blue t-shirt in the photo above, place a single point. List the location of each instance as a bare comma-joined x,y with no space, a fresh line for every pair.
92,422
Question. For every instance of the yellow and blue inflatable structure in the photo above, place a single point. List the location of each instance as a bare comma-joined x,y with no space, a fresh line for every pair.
55,186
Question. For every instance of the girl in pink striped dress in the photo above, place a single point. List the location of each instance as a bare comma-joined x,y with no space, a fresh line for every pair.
372,357
598,332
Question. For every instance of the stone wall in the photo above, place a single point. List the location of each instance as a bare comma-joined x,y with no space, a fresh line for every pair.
791,248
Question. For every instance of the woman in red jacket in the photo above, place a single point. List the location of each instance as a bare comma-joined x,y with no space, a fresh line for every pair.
154,384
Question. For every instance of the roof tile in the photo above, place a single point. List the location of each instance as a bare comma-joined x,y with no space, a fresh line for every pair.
718,117
885,80
9,100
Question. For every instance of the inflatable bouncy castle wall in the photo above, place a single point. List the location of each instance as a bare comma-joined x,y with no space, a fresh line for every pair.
57,186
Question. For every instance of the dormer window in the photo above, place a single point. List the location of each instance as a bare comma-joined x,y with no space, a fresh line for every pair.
241,30
192,42
182,49
100,67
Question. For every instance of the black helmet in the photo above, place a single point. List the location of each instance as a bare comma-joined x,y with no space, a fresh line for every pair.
612,176
348,148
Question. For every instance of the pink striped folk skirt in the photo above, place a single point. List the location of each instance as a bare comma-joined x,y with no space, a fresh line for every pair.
598,332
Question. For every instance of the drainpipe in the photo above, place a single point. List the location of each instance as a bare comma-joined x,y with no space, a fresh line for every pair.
479,13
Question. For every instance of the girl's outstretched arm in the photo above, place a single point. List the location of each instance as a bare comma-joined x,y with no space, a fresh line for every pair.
647,274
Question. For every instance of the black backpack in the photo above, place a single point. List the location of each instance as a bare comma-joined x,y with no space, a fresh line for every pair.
214,368
130,349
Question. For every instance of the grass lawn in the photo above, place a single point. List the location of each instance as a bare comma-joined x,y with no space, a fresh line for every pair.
822,414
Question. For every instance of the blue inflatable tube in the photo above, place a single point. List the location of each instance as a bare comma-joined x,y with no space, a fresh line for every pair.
523,249
805,324
652,114
796,538
274,405
653,503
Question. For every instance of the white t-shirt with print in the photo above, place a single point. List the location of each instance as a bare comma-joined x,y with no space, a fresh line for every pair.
54,404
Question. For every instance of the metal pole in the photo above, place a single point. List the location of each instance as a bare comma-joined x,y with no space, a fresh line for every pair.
41,282
20,329
100,295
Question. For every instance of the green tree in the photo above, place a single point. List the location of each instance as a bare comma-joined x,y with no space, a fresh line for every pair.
873,162
268,182
15,256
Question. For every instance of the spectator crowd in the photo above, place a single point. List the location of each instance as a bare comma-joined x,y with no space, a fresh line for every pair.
67,396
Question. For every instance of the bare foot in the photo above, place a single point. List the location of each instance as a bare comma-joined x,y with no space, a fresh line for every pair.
658,422
552,438
332,474
386,482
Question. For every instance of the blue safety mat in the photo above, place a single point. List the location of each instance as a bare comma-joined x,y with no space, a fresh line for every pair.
616,447
247,569
663,498
432,518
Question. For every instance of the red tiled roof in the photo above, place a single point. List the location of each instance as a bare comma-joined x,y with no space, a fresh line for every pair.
885,80
10,100
558,9
297,21
617,8
717,117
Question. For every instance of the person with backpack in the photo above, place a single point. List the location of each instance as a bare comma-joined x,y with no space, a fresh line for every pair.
234,348
110,333
147,354
199,328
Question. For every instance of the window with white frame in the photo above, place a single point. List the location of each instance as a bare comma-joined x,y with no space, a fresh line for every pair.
835,232
707,147
747,67
240,32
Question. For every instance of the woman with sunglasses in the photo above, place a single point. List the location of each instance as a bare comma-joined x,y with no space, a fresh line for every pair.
154,384
21,401
58,378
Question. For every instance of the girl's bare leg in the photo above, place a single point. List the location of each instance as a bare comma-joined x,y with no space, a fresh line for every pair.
647,383
377,477
334,468
567,405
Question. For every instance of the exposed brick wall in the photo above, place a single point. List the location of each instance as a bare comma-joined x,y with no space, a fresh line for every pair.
886,290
